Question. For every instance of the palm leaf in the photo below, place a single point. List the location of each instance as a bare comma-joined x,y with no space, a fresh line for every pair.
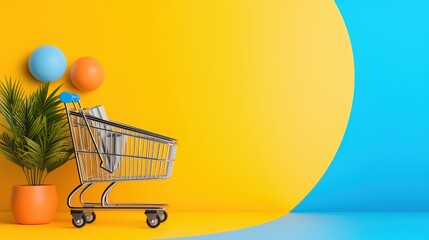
36,135
8,148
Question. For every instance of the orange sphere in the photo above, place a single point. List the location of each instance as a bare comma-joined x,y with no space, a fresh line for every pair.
87,74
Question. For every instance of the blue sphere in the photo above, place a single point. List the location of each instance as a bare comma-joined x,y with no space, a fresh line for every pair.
47,63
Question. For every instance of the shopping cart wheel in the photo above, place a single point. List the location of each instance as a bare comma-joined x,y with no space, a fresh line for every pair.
79,222
90,218
153,223
163,216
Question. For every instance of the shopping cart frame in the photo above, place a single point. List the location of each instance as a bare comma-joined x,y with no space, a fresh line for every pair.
84,213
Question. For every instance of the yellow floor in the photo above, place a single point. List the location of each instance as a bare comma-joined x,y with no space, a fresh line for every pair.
132,225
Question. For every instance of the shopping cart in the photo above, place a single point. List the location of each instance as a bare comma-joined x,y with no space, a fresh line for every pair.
112,152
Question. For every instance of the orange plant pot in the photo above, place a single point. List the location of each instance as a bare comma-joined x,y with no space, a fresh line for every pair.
34,204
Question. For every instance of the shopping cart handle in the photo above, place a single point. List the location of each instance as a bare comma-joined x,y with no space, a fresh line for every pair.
67,97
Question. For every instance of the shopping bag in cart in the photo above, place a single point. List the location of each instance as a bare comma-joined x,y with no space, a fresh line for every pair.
112,145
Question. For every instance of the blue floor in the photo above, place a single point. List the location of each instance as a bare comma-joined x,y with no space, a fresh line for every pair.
332,226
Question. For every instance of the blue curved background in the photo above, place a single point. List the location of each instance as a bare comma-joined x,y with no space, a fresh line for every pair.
382,163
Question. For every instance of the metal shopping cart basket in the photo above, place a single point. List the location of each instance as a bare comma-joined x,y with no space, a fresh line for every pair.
112,152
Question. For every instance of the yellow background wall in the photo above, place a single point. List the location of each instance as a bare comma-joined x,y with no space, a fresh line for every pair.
257,92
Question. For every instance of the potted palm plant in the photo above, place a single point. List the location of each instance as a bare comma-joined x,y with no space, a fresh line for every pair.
35,138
